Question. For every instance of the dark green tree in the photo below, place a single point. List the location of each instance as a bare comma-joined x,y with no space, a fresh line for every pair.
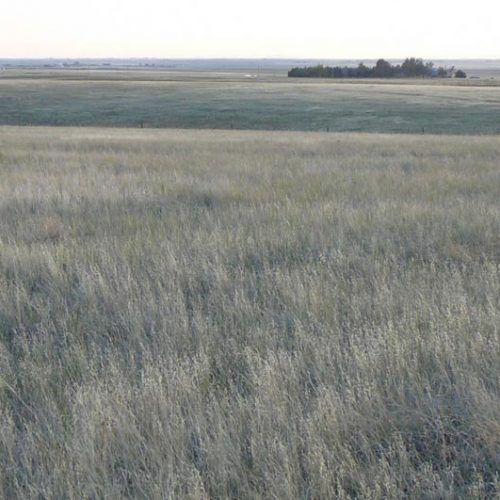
382,69
363,71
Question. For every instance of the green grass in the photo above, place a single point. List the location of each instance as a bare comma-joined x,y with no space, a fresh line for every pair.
127,99
248,314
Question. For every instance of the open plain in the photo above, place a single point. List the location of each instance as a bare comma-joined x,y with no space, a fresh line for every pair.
236,100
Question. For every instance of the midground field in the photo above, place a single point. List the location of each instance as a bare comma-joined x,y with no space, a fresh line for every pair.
304,303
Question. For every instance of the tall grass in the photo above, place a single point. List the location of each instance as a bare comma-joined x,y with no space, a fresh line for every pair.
252,315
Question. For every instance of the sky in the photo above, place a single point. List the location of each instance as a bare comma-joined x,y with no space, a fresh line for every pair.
440,29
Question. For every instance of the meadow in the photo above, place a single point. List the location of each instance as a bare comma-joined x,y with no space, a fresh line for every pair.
232,100
244,314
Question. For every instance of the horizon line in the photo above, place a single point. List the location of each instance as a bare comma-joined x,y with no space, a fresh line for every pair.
246,58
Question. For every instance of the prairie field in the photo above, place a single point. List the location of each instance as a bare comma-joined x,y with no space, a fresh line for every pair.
230,101
245,314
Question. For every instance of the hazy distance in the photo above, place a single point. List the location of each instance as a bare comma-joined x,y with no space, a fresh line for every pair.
226,29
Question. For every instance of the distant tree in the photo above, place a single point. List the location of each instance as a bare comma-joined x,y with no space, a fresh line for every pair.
460,74
413,67
337,72
382,69
363,70
397,71
295,72
442,72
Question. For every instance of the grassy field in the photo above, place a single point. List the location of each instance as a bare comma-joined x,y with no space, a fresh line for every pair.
227,100
248,314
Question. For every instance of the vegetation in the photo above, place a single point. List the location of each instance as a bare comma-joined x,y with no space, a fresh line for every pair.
248,314
441,106
410,68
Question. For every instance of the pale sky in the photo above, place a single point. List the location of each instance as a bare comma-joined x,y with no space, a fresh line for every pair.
255,28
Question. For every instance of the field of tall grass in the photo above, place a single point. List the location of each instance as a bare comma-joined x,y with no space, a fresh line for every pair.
235,314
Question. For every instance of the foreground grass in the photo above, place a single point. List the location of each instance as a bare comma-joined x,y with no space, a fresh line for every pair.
207,314
194,101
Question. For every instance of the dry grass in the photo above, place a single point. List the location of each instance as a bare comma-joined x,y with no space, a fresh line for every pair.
242,314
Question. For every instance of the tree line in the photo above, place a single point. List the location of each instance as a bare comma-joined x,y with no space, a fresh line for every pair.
411,68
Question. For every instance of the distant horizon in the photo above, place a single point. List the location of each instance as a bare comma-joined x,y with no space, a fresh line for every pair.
243,58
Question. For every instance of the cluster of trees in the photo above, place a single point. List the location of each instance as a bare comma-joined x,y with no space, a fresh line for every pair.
411,68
